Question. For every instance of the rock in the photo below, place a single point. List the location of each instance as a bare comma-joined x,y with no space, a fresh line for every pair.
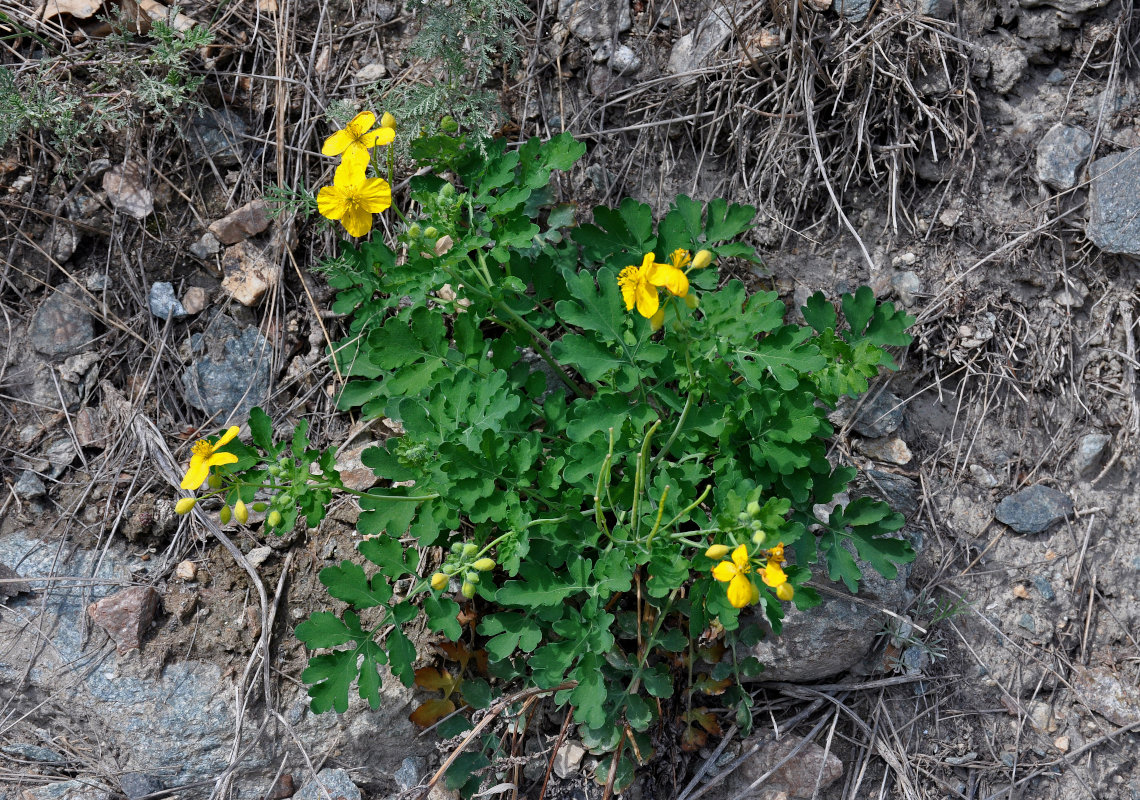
898,490
335,782
853,10
137,784
568,759
1034,510
937,9
61,326
1069,8
249,220
29,486
1106,694
1007,64
75,368
624,61
595,21
79,789
371,73
126,616
1090,450
195,299
1056,76
206,247
880,413
907,286
1061,153
59,454
352,469
32,752
216,134
97,281
983,477
232,375
693,50
1113,224
408,775
258,555
125,185
798,777
1073,294
11,583
249,274
891,451
186,570
837,634
163,303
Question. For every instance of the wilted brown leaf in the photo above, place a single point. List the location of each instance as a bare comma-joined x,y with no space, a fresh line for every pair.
431,712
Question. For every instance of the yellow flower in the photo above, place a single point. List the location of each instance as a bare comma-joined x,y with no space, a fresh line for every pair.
777,553
637,290
353,199
388,121
353,143
670,277
205,455
735,574
680,258
702,260
773,575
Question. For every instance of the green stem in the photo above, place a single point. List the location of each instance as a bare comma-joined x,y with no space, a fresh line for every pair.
657,523
639,477
676,431
603,479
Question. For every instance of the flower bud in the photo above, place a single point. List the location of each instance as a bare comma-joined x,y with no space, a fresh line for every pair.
430,232
439,581
241,513
753,508
467,590
259,507
470,549
692,301
447,191
785,591
457,547
225,515
657,321
448,124
484,564
702,259
717,552
759,537
274,519
184,505
414,230
471,577
387,121
214,481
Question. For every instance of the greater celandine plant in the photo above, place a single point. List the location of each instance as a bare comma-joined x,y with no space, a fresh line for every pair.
610,458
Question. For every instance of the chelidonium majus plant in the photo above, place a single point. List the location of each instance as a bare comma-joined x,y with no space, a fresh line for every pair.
609,457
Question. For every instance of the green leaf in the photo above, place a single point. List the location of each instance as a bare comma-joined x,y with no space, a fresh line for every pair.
477,692
401,656
638,712
330,677
727,222
323,629
509,631
261,430
658,682
443,616
674,641
349,583
589,696
681,227
538,587
819,313
784,354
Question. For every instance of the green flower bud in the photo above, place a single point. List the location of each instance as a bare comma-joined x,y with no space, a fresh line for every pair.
431,232
753,508
467,590
484,564
457,547
470,549
274,519
285,499
225,515
448,124
214,481
414,230
759,537
471,577
259,507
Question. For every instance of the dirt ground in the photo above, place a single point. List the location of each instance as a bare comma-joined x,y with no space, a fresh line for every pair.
900,148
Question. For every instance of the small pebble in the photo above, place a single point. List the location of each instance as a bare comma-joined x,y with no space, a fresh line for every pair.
1026,621
1062,743
1044,588
163,303
187,570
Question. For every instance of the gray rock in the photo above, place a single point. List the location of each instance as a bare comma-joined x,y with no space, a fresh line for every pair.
408,775
1056,76
98,281
32,752
798,776
1007,63
1034,510
62,326
694,49
1114,224
334,781
880,413
126,615
78,789
937,9
29,486
1060,155
898,490
595,21
1067,7
206,247
216,134
232,374
162,301
1090,450
853,10
837,634
624,61
1044,588
137,784
907,286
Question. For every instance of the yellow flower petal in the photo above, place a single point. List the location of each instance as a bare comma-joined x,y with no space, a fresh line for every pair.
227,437
627,282
740,557
725,571
739,591
331,202
361,124
196,473
217,459
337,143
380,136
774,575
357,221
356,158
388,121
349,175
375,195
647,300
670,277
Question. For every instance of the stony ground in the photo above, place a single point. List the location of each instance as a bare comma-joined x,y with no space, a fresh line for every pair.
978,162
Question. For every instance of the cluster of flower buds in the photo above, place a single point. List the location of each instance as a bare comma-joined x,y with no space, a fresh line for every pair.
462,561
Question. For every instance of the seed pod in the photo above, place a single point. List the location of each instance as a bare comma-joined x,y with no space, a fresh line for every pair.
241,513
717,552
439,581
184,505
484,564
